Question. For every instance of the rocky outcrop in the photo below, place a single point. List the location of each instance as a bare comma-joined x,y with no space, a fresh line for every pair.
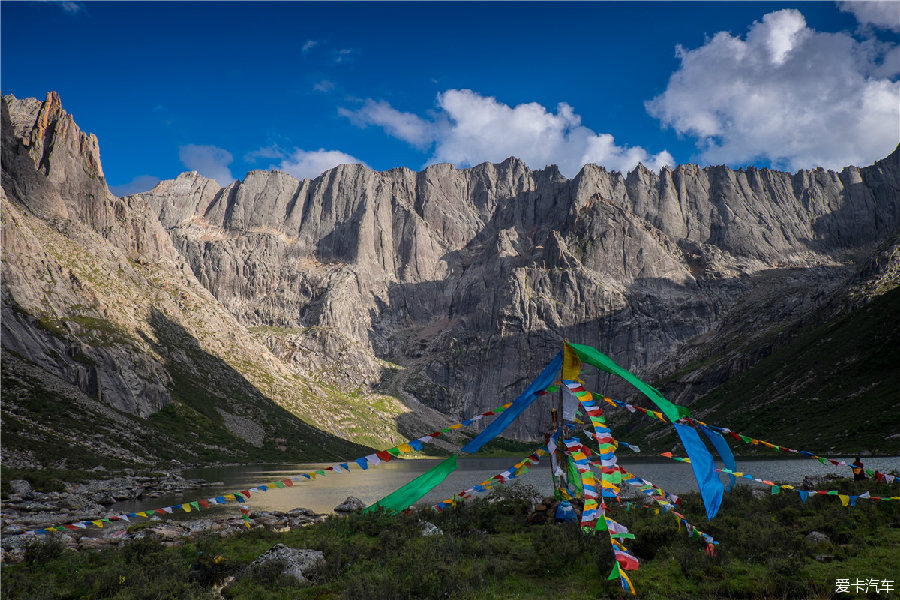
296,563
468,279
105,325
374,304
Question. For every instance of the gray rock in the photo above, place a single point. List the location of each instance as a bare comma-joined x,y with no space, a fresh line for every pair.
298,563
815,537
350,505
429,529
20,486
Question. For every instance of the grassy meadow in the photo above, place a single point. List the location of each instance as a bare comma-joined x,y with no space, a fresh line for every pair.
488,550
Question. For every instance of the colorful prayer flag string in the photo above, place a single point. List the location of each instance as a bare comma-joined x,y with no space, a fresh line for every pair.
845,499
517,470
881,477
363,463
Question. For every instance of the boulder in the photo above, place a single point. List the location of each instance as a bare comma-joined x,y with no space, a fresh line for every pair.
350,505
20,486
298,563
814,537
429,529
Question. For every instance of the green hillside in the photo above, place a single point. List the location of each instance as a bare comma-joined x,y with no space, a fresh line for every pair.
835,387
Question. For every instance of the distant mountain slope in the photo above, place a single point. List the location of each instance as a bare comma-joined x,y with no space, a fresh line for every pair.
106,333
828,381
377,306
469,279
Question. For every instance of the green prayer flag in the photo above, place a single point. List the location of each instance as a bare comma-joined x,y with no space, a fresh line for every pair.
279,484
775,489
615,572
615,477
553,389
406,496
394,451
574,475
628,536
596,358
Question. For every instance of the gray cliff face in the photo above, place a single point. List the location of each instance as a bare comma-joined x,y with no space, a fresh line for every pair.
470,278
97,300
52,170
444,290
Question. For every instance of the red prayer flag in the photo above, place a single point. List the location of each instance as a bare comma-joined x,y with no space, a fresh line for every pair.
385,456
626,561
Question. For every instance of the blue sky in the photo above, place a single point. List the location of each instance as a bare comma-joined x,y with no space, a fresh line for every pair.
226,87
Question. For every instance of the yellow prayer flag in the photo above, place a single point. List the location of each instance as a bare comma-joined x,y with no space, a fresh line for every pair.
141,514
571,366
456,426
186,507
230,497
405,448
845,500
98,523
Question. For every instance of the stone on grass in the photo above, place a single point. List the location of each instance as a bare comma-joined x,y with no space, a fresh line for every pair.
350,505
814,537
19,486
429,529
298,563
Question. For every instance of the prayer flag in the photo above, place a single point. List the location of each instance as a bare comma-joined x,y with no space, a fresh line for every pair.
711,488
518,406
604,363
406,496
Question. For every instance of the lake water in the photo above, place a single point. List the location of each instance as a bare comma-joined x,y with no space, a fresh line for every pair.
324,493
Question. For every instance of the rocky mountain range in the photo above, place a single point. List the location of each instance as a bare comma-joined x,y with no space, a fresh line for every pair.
377,305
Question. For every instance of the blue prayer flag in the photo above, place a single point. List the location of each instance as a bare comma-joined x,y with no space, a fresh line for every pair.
711,488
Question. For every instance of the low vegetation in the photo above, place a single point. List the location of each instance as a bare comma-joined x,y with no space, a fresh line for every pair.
831,390
487,550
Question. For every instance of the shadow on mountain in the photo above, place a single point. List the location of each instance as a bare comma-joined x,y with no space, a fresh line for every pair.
862,219
220,415
662,321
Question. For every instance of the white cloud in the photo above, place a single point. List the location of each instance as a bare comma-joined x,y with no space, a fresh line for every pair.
139,184
209,161
787,94
884,14
324,86
406,126
72,7
309,164
309,45
469,129
344,55
265,152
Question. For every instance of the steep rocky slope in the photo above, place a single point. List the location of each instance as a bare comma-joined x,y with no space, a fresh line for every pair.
827,380
375,305
112,350
468,279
